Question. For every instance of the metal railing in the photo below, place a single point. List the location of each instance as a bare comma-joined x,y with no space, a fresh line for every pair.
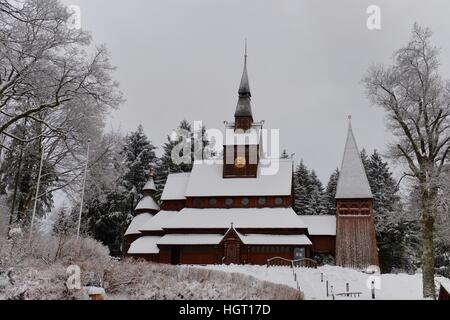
299,263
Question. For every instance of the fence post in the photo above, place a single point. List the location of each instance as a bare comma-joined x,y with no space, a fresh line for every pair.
327,290
348,288
321,277
373,289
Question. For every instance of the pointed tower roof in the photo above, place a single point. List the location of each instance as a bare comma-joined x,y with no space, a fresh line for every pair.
150,185
353,182
244,108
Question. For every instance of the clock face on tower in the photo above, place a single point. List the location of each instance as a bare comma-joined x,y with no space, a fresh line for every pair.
240,162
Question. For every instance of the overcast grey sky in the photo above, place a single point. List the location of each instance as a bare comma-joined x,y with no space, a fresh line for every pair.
181,59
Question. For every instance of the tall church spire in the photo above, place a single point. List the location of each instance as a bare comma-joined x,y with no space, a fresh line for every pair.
353,182
243,114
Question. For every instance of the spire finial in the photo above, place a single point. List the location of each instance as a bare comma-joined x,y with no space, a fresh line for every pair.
350,117
246,55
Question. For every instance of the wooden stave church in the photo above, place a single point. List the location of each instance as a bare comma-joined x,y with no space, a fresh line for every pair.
232,214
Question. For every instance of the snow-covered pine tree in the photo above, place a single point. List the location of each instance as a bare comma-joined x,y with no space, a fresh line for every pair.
317,196
284,155
309,198
388,224
166,164
330,193
138,155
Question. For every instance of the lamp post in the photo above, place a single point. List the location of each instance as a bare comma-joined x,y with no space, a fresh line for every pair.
82,190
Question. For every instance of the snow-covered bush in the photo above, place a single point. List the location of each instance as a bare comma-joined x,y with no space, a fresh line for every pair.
146,281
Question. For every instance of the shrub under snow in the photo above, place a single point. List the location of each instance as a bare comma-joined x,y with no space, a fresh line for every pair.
40,274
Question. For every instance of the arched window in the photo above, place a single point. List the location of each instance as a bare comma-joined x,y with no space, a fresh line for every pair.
212,202
245,201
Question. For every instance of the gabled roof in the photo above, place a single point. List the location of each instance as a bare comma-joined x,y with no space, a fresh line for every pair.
320,225
147,203
175,187
137,222
207,180
353,182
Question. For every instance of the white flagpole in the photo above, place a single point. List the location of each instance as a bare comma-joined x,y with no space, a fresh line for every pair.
82,191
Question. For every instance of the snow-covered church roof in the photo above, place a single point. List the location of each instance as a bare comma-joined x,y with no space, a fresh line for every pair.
320,225
175,187
207,180
147,203
150,185
353,182
138,222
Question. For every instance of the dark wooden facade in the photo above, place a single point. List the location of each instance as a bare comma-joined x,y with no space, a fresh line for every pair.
444,294
356,244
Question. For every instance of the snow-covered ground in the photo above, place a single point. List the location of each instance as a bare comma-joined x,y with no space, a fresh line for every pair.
389,286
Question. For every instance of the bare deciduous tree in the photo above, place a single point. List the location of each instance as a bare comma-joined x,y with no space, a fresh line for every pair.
417,102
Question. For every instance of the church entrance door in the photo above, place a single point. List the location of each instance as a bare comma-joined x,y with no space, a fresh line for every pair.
232,252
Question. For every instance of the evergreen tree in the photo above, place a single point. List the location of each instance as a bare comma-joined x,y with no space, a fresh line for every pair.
284,155
183,134
390,229
138,154
309,196
317,196
330,193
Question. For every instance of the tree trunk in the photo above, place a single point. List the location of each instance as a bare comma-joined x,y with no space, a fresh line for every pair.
428,254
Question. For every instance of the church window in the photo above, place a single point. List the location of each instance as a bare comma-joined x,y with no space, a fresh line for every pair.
212,201
197,202
262,201
278,201
229,202
245,201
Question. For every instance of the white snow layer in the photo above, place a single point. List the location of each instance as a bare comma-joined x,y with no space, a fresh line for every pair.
147,203
138,222
145,245
320,225
352,183
150,185
175,187
275,239
160,220
190,239
391,286
252,218
207,180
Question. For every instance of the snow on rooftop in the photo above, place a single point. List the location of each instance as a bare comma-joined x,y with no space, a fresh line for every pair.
353,182
175,187
137,222
191,239
445,283
159,221
320,225
275,239
207,180
145,245
150,185
147,203
267,218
